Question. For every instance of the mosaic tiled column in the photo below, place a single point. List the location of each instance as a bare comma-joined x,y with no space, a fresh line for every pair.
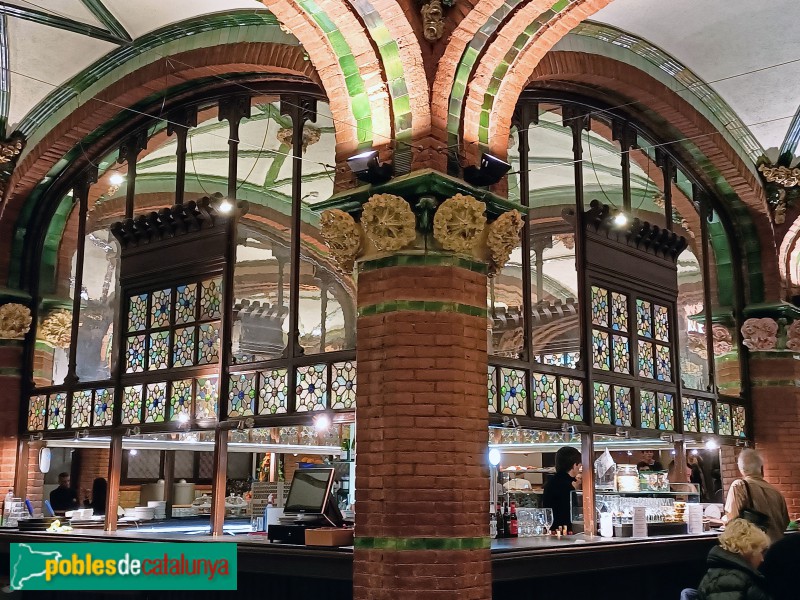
421,416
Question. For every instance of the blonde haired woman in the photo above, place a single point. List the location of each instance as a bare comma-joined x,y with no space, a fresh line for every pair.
733,565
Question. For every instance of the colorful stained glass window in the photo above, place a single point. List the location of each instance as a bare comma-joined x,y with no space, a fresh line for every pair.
37,410
57,411
571,399
208,344
132,405
705,414
158,353
274,391
602,403
104,407
571,359
739,423
81,408
242,395
491,385
619,312
137,313
207,399
210,299
134,356
568,360
185,304
601,354
647,409
180,400
620,354
689,415
312,388
623,411
183,347
662,323
599,306
666,411
343,385
160,302
513,392
646,359
724,419
155,407
544,395
663,363
644,318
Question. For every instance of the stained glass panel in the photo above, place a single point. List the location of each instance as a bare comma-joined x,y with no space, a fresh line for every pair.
666,411
158,353
155,407
242,395
645,359
185,304
689,415
621,354
545,398
207,399
343,385
208,344
663,363
513,392
104,407
134,357
57,411
644,318
132,405
311,391
491,385
81,408
619,312
183,348
137,313
568,360
739,423
602,403
274,391
210,299
662,323
623,411
705,414
37,410
571,399
601,354
724,419
160,308
647,409
180,400
599,306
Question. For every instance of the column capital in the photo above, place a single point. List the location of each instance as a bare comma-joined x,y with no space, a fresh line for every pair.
772,328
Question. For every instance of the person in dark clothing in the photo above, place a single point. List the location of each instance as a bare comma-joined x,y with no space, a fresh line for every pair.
63,497
779,566
558,491
99,493
732,566
648,462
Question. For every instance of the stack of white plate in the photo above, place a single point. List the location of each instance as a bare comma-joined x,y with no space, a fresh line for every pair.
160,508
140,513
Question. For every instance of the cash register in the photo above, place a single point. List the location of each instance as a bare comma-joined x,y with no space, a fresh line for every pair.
310,504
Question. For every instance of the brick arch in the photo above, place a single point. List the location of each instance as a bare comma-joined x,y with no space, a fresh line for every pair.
789,257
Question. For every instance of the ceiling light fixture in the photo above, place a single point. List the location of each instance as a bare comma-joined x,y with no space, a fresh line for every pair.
620,220
322,423
366,167
116,179
225,206
490,171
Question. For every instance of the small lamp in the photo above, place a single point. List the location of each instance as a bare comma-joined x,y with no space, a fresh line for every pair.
490,171
366,168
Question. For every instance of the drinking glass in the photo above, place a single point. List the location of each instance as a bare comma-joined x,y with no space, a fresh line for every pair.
548,518
540,521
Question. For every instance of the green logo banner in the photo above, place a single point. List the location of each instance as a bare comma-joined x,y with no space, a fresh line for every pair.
123,566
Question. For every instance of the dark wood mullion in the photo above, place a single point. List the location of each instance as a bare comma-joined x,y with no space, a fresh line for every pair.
523,119
179,123
129,153
699,198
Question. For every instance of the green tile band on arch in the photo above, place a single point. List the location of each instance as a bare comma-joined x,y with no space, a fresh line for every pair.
424,260
410,543
423,306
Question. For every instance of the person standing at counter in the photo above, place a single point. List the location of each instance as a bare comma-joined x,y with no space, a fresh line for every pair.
63,498
99,493
558,491
649,462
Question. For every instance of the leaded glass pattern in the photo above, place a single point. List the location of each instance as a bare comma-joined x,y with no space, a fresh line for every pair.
705,414
545,398
599,306
601,402
160,302
180,400
662,323
242,395
155,407
644,318
57,411
647,409
134,355
208,344
104,407
601,354
666,411
274,391
132,405
513,393
311,390
663,363
645,359
739,422
343,385
571,399
81,408
183,347
623,411
571,359
724,419
568,360
207,398
491,386
158,353
210,299
689,415
620,354
186,304
137,313
619,312
37,411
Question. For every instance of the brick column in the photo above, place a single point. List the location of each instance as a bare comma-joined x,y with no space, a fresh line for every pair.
421,430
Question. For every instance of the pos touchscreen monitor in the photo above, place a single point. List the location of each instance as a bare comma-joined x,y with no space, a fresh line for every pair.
310,497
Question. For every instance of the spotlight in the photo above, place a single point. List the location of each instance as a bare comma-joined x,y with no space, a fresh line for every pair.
623,433
366,168
133,452
570,429
225,206
712,445
183,418
116,179
322,422
510,422
491,171
620,220
494,457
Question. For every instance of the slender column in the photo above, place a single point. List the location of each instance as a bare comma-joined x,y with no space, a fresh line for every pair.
114,478
179,124
169,480
589,510
129,153
219,480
